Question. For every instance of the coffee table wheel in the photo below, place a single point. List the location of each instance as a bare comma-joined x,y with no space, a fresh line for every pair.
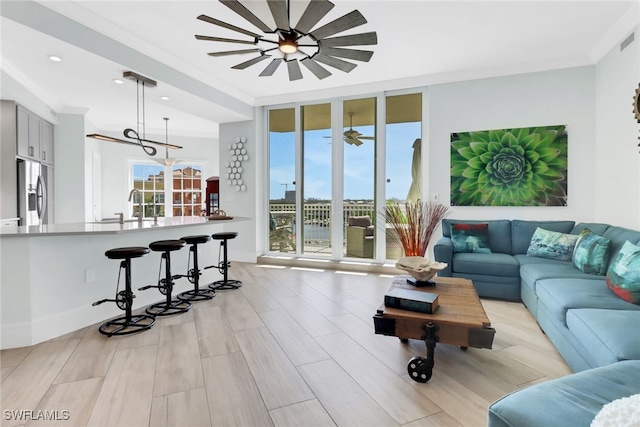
420,369
404,340
463,348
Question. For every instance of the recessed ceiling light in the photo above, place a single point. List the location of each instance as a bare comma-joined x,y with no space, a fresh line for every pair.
55,58
165,98
118,81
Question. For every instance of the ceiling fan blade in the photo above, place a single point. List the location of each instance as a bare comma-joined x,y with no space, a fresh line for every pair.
222,24
318,70
353,141
315,11
250,62
280,13
271,68
369,138
294,70
358,55
352,40
346,22
233,52
335,63
238,8
222,39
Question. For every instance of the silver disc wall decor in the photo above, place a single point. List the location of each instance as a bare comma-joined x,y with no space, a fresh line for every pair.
237,154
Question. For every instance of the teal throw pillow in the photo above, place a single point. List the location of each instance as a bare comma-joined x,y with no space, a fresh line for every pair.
552,245
591,253
470,237
623,276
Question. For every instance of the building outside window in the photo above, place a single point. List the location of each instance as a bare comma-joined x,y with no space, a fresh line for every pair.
171,191
187,190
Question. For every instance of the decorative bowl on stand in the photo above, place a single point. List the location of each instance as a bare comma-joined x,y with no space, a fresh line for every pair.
421,269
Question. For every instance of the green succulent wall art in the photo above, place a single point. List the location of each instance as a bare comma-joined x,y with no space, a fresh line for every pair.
509,167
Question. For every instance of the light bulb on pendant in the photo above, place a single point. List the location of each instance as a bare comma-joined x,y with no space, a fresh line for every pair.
167,161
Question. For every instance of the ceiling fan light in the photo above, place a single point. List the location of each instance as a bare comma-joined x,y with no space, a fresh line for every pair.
288,46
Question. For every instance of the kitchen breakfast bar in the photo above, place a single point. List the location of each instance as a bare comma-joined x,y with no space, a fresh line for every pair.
51,274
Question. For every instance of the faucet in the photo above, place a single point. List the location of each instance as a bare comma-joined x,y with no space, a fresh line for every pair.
140,215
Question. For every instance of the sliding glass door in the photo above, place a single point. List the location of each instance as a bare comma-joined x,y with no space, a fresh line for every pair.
403,156
359,177
282,179
316,179
331,168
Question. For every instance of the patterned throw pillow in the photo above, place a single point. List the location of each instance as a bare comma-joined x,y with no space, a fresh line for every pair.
623,276
552,245
591,253
470,237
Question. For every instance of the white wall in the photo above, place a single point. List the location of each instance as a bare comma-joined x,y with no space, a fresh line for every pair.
243,203
69,169
564,97
617,175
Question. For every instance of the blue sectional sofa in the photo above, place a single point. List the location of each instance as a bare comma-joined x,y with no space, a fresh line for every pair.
573,400
589,325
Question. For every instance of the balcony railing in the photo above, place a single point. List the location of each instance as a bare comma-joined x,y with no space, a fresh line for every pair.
316,217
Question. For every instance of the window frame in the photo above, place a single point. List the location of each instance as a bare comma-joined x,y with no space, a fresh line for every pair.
168,186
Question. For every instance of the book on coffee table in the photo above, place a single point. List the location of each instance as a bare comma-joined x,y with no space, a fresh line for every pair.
408,299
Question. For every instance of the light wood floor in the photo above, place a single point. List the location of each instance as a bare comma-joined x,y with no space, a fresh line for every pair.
290,348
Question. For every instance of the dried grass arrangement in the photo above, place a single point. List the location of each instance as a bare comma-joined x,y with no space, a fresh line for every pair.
414,223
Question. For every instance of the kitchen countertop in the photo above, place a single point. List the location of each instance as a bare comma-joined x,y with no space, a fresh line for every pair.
88,228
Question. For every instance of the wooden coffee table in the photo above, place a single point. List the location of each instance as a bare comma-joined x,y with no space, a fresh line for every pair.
459,320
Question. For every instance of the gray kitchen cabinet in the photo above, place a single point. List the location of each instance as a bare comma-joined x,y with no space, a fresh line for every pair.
28,134
35,137
46,142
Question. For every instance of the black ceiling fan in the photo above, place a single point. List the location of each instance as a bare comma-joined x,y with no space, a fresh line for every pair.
297,43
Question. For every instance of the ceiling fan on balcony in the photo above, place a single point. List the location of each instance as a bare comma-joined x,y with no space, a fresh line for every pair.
297,43
352,136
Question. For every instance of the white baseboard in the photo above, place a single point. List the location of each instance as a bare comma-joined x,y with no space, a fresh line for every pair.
42,329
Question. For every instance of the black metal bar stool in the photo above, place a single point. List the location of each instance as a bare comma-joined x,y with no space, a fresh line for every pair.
193,274
165,285
124,299
223,266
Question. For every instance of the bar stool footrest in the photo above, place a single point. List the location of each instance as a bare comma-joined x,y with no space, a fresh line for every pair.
197,295
225,284
122,326
163,309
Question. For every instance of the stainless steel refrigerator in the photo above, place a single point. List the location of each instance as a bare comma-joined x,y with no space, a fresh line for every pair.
33,201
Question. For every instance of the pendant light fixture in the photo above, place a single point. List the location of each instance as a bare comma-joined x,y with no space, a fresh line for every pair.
134,135
167,161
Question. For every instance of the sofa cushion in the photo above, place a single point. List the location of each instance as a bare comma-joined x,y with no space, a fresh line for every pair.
561,295
499,232
470,237
591,253
551,269
573,400
359,221
619,235
533,269
596,227
610,335
486,264
522,231
623,276
552,245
